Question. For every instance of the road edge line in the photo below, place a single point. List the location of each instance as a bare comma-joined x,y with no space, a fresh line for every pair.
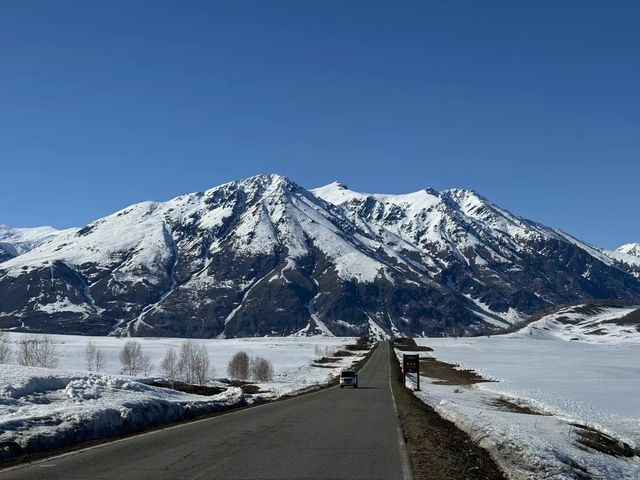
407,474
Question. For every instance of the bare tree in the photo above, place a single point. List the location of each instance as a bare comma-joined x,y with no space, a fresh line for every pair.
203,368
194,364
5,348
146,365
100,360
169,365
238,366
37,352
131,358
261,369
89,355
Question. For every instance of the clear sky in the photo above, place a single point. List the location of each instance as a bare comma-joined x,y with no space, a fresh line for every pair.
536,105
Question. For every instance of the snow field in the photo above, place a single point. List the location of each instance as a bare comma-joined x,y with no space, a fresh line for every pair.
567,382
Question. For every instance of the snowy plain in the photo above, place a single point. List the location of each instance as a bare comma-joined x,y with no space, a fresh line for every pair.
564,382
42,409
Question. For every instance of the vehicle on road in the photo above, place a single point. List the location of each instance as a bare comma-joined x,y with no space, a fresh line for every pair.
349,378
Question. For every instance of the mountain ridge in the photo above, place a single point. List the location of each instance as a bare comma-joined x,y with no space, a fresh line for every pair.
264,256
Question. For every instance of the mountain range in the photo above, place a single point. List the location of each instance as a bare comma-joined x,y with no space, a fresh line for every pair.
264,256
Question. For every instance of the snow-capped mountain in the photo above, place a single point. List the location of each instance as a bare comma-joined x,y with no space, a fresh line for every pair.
626,257
264,256
16,241
630,249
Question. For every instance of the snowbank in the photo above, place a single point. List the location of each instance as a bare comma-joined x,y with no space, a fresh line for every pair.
43,409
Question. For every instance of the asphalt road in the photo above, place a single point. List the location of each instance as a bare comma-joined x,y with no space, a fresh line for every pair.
332,434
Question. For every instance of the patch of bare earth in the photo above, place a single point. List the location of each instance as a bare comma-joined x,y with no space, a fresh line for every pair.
509,406
590,438
437,448
448,374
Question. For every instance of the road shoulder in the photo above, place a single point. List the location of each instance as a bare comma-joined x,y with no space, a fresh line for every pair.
435,446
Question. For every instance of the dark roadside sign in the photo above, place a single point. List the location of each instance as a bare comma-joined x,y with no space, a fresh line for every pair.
411,364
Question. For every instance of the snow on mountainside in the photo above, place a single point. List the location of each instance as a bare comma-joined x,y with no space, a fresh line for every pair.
627,257
630,249
471,243
264,256
16,241
590,323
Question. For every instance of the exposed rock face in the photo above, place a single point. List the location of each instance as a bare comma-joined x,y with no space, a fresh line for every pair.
263,256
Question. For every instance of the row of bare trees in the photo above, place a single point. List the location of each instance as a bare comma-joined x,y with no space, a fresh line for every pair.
189,365
30,351
243,367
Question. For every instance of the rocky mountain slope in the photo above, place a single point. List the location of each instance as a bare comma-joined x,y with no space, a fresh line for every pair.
264,256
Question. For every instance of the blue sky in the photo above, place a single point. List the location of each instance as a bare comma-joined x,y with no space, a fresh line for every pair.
536,105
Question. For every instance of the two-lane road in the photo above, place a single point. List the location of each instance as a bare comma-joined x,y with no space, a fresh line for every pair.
332,434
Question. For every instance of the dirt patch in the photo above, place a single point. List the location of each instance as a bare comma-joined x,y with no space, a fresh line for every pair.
506,405
193,389
343,353
448,374
593,439
436,447
326,360
409,345
247,387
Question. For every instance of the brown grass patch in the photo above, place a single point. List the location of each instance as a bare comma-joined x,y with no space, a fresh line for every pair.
437,448
193,389
591,438
506,405
326,360
247,387
343,353
448,374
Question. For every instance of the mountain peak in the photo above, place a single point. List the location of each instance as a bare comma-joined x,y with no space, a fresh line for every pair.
630,249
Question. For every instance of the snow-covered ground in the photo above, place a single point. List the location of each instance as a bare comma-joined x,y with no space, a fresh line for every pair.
588,382
44,408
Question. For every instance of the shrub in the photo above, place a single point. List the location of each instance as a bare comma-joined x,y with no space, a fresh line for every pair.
261,369
238,366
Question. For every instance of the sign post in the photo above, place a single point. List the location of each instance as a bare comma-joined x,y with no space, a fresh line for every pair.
411,364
